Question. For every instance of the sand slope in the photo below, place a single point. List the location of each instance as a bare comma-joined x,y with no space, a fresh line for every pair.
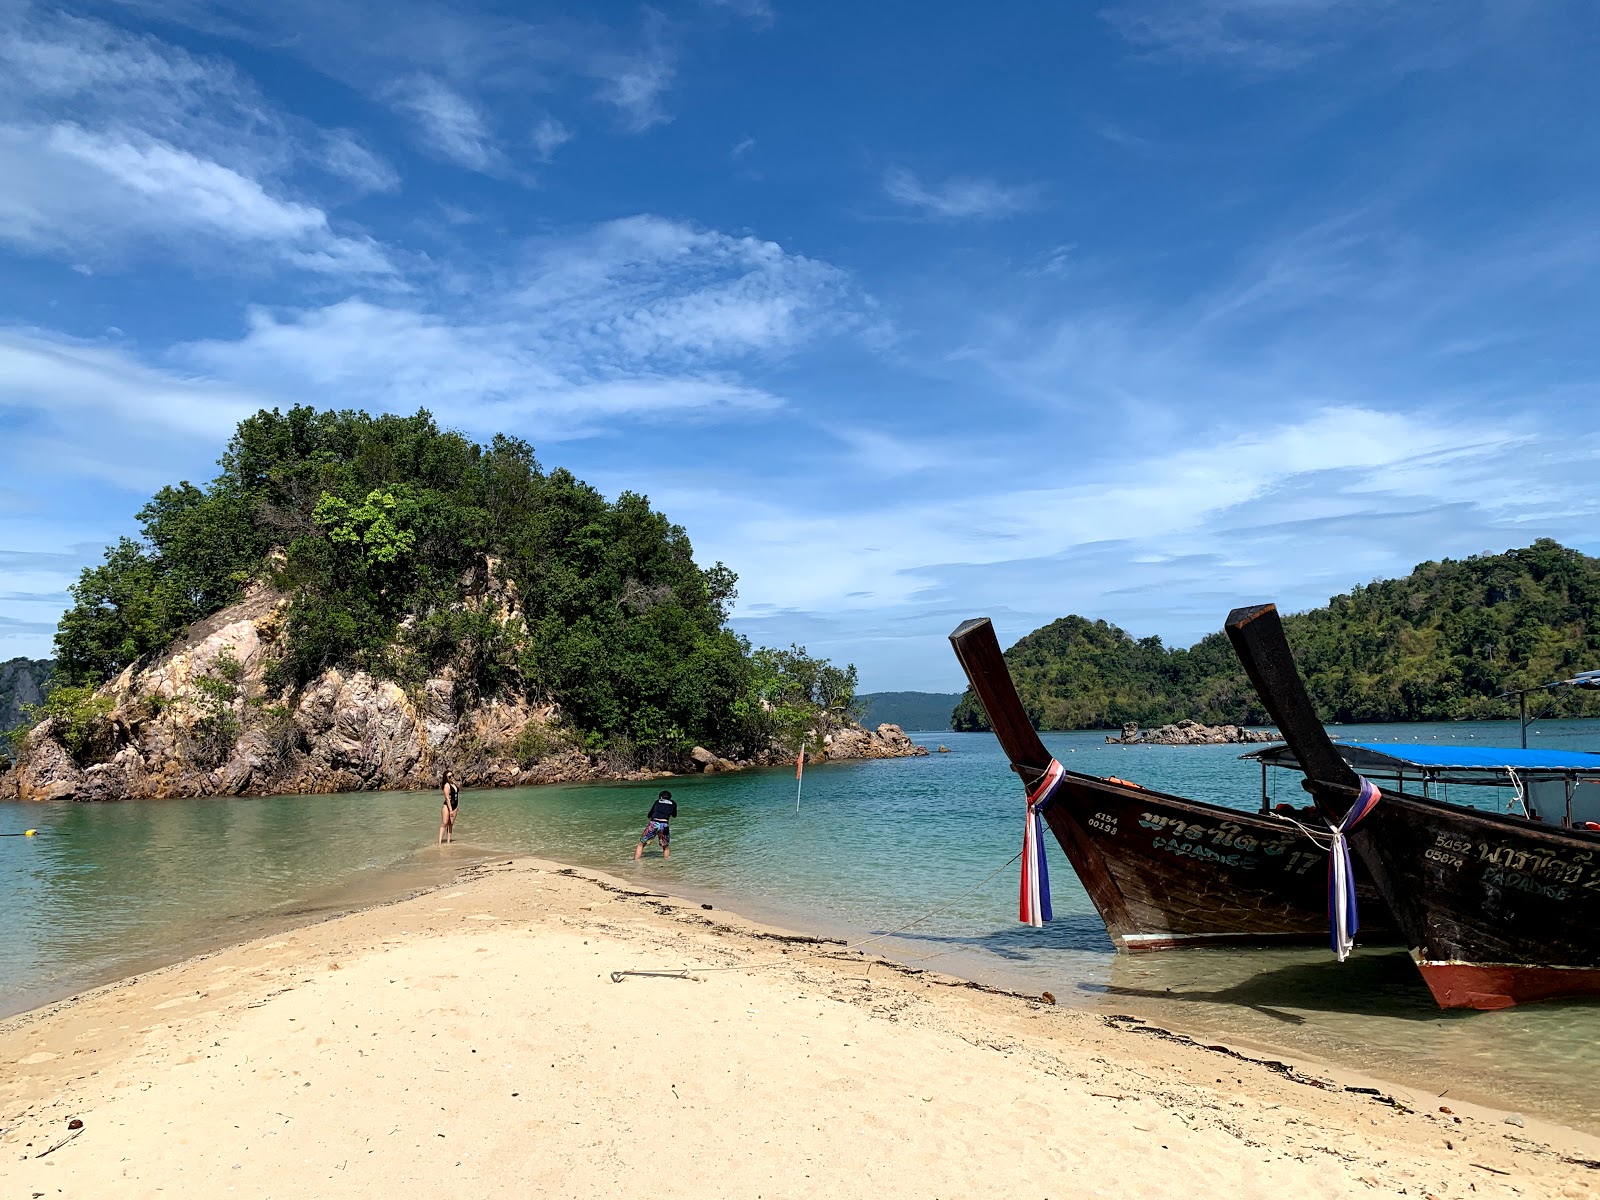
472,1043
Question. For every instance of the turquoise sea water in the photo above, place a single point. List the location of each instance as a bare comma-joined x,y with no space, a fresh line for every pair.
106,890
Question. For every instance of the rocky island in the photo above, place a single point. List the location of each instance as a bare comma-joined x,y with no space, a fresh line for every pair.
362,603
1190,733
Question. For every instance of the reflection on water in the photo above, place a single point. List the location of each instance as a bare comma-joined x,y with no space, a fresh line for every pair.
107,889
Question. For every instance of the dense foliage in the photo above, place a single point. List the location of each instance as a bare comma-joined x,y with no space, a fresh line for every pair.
1438,645
408,550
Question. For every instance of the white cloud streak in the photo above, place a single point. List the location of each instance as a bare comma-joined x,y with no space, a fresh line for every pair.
85,194
958,197
642,316
448,124
634,84
549,135
111,143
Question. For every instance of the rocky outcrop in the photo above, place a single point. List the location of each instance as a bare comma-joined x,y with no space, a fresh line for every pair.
203,720
23,682
886,741
1190,733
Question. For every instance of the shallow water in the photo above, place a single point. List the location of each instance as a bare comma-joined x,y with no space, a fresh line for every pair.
105,890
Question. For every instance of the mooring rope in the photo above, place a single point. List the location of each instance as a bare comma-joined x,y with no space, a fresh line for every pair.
685,972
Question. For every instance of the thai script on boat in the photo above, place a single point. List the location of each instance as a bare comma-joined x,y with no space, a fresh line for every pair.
1541,864
1539,872
1228,835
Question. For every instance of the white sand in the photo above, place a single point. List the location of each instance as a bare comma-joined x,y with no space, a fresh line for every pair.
472,1043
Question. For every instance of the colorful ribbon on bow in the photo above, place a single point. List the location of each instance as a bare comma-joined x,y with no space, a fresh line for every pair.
1343,920
1034,905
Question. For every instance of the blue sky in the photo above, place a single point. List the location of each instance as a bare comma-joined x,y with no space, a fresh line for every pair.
907,312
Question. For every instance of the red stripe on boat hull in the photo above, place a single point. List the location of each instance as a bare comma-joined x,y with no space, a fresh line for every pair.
1489,986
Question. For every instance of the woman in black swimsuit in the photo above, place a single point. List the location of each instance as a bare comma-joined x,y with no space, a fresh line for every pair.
447,815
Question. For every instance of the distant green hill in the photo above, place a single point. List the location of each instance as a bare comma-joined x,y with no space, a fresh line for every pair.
909,710
1438,645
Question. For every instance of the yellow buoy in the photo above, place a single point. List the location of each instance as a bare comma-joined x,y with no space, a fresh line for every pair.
29,832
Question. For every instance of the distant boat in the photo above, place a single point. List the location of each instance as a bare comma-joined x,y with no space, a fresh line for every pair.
1163,871
1497,909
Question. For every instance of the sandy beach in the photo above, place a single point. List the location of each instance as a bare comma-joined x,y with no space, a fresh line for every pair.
472,1042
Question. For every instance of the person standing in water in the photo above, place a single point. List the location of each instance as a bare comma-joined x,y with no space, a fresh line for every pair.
662,811
447,814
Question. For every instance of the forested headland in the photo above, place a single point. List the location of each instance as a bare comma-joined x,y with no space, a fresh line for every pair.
1439,645
468,576
909,710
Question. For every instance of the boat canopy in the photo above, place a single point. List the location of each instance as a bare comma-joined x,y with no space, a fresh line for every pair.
1558,786
1455,764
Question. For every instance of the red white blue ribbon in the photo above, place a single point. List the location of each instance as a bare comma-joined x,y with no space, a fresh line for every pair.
1034,905
1343,920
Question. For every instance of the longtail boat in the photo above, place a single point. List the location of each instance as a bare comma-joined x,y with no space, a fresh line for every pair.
1163,871
1497,909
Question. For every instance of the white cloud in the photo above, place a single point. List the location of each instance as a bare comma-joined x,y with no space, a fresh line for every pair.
88,193
758,12
448,123
633,83
1161,541
959,197
112,143
549,135
646,288
95,411
55,67
343,154
1261,35
642,316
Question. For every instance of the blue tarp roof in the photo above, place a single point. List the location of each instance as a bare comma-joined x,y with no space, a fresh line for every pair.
1427,757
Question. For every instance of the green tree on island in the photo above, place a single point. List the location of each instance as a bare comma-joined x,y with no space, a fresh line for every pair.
382,529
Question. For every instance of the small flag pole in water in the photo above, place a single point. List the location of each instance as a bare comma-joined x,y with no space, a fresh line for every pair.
799,773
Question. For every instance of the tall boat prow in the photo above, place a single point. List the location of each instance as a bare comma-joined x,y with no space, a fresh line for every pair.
1497,909
978,651
1163,871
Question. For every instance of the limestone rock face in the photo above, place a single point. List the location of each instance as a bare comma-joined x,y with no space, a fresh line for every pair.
887,741
47,773
1190,733
174,730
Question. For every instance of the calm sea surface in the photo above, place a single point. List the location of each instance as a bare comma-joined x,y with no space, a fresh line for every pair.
106,890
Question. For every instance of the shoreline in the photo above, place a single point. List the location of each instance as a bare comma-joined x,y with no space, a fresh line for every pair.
414,881
104,1054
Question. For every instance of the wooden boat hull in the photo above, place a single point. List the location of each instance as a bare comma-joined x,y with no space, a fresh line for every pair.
1165,872
1496,910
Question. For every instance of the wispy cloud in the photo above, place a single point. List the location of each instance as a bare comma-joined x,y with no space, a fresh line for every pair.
633,83
549,135
643,316
758,12
958,197
112,144
344,155
86,194
447,123
95,411
1259,35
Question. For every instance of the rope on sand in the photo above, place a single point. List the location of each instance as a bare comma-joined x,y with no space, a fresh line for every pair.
684,972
